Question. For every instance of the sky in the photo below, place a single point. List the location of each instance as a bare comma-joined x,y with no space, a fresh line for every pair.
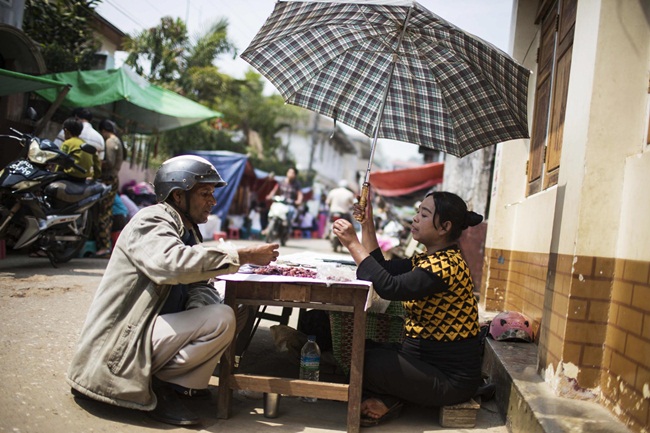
487,19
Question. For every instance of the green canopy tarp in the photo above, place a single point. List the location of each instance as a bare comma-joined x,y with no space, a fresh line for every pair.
127,97
15,82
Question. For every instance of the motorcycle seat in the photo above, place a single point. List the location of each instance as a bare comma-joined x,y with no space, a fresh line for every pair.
71,191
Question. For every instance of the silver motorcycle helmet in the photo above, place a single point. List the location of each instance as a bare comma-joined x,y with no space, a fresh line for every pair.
183,172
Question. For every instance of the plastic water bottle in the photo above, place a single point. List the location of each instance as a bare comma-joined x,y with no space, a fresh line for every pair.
310,363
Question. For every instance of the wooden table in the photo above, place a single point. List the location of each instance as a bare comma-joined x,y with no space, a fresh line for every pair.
300,293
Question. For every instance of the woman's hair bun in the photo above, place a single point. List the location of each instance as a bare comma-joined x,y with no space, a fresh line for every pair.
472,219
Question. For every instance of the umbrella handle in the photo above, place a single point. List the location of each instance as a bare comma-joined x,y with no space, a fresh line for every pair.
363,201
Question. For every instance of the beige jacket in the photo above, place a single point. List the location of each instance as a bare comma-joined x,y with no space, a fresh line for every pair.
112,362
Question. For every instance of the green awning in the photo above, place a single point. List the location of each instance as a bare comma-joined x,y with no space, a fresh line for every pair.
131,100
15,82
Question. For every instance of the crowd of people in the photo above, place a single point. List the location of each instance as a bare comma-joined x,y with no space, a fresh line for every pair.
112,213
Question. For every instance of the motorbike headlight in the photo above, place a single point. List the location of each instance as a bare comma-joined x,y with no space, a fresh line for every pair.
39,156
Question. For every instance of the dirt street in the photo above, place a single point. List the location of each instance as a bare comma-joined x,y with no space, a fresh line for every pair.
42,309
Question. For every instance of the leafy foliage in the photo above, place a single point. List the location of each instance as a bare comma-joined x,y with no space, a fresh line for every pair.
62,30
166,56
157,53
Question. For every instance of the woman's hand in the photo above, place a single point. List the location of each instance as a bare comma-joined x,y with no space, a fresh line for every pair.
363,215
344,230
260,255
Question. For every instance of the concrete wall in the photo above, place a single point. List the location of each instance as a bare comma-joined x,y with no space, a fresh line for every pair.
576,257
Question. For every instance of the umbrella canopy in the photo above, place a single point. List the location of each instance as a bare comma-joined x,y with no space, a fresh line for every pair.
145,107
15,82
393,69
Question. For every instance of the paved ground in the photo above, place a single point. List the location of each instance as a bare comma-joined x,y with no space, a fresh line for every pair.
41,311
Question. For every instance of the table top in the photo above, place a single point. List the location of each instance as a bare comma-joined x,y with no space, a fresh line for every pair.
332,271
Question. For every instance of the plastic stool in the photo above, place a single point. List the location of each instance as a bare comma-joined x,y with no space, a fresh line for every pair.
88,249
233,233
219,235
297,234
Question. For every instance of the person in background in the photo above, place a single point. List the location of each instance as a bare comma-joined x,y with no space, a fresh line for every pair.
290,190
115,153
307,222
323,212
255,221
156,327
438,363
72,146
340,201
88,134
131,207
120,215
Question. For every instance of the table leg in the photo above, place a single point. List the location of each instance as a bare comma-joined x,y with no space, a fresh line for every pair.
356,362
224,397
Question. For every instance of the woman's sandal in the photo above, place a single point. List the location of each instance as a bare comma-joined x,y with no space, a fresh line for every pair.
393,412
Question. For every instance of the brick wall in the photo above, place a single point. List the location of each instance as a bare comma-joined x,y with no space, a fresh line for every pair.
592,312
625,380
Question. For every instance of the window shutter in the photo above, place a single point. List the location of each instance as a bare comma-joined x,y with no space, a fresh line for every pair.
556,45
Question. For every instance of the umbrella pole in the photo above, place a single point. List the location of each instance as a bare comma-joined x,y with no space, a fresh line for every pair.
363,198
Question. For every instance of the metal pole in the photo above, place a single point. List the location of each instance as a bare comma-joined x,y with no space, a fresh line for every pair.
363,197
385,95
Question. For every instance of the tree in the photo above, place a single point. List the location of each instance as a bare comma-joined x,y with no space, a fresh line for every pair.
157,53
167,57
61,28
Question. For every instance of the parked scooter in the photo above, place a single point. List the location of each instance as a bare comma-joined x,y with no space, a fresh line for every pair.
279,227
334,240
40,208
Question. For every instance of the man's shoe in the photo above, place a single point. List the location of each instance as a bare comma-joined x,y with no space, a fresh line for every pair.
191,393
170,409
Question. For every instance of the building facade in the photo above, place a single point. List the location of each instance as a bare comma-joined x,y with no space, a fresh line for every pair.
568,241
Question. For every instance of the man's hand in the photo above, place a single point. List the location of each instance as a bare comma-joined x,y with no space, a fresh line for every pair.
260,255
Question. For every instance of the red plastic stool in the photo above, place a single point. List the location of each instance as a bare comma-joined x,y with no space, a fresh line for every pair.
233,233
219,235
297,234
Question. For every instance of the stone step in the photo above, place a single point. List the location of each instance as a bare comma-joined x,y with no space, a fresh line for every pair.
527,403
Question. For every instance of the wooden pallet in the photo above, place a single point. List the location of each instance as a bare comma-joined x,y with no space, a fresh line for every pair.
462,415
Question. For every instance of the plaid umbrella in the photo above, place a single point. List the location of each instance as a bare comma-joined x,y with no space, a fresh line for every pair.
392,69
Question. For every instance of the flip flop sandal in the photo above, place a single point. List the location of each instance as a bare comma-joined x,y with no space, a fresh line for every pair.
393,412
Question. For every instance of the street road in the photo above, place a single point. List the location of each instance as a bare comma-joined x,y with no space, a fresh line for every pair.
42,310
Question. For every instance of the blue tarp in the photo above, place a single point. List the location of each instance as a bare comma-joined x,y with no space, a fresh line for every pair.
231,167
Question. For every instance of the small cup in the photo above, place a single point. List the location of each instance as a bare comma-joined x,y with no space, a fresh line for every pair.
271,404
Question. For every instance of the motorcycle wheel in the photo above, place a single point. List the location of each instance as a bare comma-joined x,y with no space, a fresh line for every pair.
64,251
271,232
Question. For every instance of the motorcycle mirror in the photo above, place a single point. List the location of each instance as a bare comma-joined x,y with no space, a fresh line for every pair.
31,113
46,144
89,148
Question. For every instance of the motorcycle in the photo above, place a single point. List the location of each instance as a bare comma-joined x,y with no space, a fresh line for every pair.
334,240
40,208
279,227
